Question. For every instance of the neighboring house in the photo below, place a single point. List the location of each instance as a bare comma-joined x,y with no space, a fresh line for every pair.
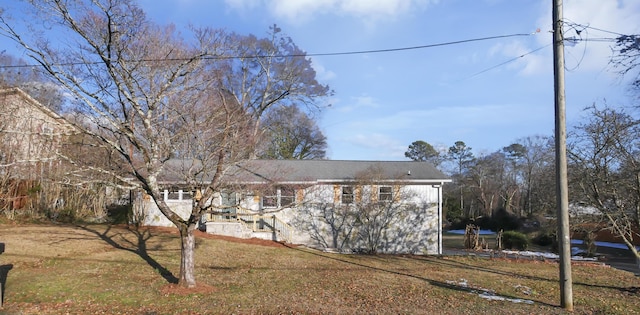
29,131
30,138
319,203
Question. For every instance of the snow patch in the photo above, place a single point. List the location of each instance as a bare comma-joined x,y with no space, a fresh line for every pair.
546,255
490,294
605,244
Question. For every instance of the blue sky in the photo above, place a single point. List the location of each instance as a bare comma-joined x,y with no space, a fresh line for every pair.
385,101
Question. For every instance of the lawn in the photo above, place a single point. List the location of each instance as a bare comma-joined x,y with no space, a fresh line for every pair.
101,269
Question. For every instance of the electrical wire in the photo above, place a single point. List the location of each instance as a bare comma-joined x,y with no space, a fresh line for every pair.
580,30
583,35
600,39
601,30
506,62
420,47
358,52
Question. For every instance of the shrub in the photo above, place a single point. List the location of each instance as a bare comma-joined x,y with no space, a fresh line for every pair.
503,220
120,214
64,215
515,240
500,220
545,238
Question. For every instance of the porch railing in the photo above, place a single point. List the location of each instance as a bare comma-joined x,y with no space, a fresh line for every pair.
256,222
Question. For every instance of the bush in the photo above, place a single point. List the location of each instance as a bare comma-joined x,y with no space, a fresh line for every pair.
545,238
503,220
500,220
120,214
515,240
64,215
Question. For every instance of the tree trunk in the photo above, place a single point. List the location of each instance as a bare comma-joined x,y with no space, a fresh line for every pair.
187,258
461,199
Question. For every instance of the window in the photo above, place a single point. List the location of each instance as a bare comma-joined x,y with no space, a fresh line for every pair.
385,193
280,197
177,194
228,200
287,196
270,199
347,194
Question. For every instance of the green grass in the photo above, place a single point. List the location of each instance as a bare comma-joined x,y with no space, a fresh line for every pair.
110,270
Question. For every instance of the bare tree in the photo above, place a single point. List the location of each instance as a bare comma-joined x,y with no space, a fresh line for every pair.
626,56
270,71
289,133
536,161
606,170
143,91
513,179
460,154
485,178
16,73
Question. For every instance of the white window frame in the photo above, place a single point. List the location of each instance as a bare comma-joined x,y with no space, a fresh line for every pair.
344,191
181,194
280,199
386,196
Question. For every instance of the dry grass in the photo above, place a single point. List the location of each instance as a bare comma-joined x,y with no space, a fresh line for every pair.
114,270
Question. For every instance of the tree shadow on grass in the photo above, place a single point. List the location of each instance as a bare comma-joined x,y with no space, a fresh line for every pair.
447,285
466,266
138,247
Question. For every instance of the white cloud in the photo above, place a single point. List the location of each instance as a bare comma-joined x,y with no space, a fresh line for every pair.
298,11
387,137
242,5
615,16
322,74
474,117
524,59
373,8
384,146
359,102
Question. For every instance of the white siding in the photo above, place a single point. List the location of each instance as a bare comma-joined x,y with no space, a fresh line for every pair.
415,230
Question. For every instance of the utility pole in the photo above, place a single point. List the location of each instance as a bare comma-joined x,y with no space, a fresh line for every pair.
562,187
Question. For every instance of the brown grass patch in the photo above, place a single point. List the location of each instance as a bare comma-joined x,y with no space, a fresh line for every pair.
101,269
174,289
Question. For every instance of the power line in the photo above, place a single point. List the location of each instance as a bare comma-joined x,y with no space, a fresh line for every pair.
506,62
358,52
601,30
595,39
582,35
419,47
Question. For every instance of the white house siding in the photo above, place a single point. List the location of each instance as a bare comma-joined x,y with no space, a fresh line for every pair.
415,231
147,212
29,132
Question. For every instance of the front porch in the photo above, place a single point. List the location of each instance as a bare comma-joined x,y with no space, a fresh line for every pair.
244,224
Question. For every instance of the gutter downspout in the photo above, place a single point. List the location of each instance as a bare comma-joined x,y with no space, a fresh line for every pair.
439,188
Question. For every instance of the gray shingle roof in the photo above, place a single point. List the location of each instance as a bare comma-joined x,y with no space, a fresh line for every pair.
310,171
